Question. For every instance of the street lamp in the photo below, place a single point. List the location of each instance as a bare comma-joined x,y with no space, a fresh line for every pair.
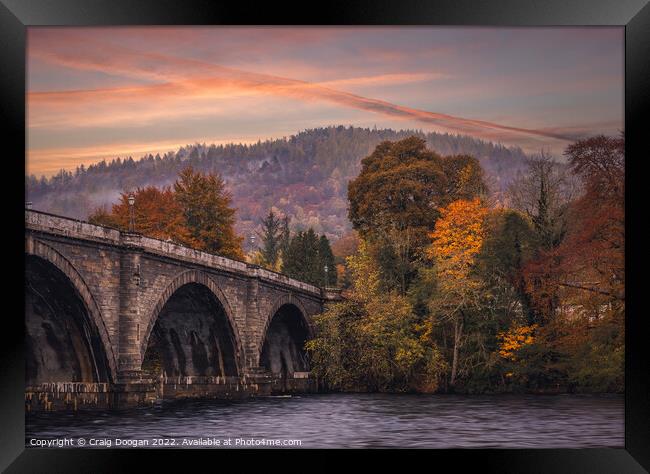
326,269
131,213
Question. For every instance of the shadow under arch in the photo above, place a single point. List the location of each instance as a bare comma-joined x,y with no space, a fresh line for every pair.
287,329
192,331
53,288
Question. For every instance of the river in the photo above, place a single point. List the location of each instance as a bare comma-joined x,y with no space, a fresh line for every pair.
349,421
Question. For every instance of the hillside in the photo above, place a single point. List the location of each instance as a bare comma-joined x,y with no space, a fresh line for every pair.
304,175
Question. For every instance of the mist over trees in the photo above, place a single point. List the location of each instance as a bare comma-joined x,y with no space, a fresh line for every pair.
304,176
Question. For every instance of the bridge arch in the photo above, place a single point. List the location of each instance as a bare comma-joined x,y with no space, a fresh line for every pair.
286,329
200,281
36,249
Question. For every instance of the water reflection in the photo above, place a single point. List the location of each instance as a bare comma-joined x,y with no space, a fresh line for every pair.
364,420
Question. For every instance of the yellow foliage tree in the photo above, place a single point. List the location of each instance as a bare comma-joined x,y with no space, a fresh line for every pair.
456,241
513,340
370,340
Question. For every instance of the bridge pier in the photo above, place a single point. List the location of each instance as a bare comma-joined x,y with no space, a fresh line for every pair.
129,363
252,313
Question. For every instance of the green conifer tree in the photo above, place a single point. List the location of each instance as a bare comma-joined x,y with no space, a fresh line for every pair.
327,263
285,237
271,236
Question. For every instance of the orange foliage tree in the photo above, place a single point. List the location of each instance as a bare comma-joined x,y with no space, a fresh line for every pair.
208,214
513,340
157,215
197,213
456,241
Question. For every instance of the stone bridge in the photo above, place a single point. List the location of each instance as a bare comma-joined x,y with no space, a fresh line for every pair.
119,319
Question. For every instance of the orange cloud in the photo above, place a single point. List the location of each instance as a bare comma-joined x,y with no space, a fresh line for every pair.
163,89
187,79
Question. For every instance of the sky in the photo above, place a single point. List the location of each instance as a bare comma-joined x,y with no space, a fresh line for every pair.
99,93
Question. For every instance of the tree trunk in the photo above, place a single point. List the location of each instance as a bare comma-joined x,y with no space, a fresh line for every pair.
458,331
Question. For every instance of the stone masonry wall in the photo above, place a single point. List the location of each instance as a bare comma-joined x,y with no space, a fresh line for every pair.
129,278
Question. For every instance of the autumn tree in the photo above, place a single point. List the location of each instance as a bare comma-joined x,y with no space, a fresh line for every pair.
256,258
400,185
581,282
157,214
395,199
595,246
195,213
456,241
600,161
342,248
208,213
589,262
370,341
465,178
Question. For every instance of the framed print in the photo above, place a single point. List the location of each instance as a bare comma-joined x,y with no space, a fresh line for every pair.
373,226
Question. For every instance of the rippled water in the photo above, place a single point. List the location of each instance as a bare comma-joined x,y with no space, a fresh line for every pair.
359,421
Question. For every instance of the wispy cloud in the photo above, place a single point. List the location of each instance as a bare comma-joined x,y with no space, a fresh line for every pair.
178,76
223,82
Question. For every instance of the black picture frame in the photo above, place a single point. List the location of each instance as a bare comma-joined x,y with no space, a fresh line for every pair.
17,15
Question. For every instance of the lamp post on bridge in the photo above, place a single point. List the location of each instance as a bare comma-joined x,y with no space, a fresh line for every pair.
131,213
326,279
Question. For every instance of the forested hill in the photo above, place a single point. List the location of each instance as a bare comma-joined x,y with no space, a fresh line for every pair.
304,176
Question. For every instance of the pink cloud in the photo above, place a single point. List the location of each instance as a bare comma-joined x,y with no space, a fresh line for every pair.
256,75
189,77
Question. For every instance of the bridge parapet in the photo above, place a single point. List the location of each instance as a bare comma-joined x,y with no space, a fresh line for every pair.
64,226
180,252
74,228
263,273
332,294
